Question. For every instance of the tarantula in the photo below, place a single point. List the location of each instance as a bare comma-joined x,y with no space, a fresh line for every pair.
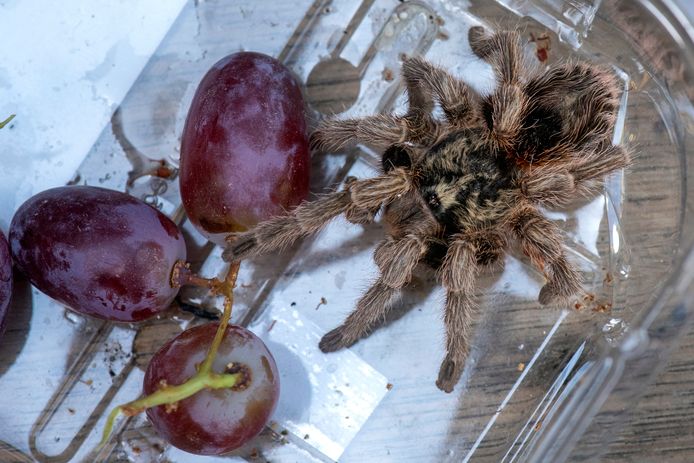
455,188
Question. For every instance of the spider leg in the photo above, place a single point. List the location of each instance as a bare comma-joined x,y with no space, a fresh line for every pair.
554,185
481,42
505,108
552,87
457,100
310,217
423,82
383,130
379,131
541,242
585,95
396,259
599,163
458,273
490,247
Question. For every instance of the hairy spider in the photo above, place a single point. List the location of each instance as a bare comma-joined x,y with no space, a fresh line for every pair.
454,190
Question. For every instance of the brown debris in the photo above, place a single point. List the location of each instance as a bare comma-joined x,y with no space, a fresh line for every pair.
170,408
542,46
603,308
233,368
272,325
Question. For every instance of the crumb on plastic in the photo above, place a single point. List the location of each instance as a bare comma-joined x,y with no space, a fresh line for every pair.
603,308
443,35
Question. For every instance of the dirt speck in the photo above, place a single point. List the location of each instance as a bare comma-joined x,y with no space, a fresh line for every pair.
323,301
272,325
603,308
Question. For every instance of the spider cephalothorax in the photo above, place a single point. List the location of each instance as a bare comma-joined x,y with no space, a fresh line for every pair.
454,189
464,183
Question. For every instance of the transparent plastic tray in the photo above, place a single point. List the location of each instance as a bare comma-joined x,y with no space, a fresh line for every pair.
541,384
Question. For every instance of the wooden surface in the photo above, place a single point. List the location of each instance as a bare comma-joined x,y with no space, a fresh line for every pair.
661,428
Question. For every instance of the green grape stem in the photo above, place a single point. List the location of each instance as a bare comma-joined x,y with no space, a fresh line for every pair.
205,378
226,288
6,121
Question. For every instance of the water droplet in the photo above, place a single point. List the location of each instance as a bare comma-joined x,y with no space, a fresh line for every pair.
614,330
74,318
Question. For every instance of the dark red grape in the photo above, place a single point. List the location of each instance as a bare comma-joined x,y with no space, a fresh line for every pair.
213,422
244,150
5,279
100,252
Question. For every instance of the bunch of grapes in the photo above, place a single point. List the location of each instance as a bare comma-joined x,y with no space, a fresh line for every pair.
103,253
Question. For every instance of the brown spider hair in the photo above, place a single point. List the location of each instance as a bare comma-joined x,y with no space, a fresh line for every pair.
453,190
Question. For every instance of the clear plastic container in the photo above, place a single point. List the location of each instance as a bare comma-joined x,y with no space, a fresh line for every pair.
541,384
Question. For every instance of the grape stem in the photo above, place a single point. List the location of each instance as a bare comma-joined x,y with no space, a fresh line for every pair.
227,288
205,378
168,395
6,121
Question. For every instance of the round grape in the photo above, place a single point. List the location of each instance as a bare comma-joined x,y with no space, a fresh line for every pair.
213,422
5,279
